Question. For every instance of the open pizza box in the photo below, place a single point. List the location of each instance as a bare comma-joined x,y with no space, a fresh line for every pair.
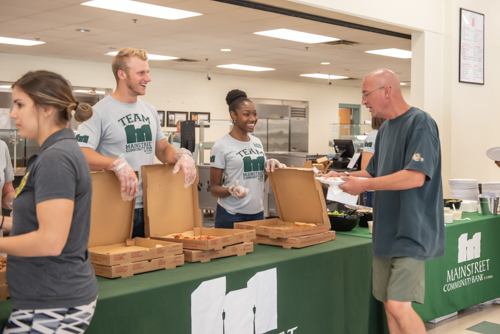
300,202
111,224
172,213
195,255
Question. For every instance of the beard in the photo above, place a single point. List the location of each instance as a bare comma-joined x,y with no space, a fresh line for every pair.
136,90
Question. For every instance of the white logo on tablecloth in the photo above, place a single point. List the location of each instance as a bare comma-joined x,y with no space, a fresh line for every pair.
468,273
469,249
252,310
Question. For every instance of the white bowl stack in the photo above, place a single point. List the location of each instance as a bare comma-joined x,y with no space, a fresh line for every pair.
468,206
491,187
464,189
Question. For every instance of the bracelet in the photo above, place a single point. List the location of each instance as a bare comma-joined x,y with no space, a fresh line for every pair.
1,225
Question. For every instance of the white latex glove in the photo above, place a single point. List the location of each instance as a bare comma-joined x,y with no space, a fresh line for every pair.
185,162
128,180
238,191
271,164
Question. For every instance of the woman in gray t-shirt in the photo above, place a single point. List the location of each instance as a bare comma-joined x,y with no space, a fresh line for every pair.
51,281
240,158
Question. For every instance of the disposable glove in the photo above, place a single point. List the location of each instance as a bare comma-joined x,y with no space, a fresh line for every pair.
238,191
185,162
126,175
271,164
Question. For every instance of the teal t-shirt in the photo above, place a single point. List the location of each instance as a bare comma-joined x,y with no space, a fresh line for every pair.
409,223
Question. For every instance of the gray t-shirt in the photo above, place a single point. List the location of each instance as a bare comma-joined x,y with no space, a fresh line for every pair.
129,128
58,170
6,172
369,146
242,161
409,222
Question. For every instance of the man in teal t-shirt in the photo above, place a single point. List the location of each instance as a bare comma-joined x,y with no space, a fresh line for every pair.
405,173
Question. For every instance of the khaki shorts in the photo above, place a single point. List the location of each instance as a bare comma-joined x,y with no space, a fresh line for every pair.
399,278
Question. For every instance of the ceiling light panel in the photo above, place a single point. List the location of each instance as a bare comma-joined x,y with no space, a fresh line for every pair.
396,53
323,76
296,36
150,56
140,8
17,41
246,67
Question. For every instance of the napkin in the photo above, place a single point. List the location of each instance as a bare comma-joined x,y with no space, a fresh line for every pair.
337,195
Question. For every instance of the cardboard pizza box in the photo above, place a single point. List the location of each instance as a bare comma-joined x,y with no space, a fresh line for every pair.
194,255
296,242
130,269
4,292
111,225
300,202
172,213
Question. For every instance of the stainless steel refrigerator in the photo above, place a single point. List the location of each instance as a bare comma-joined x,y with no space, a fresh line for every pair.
282,128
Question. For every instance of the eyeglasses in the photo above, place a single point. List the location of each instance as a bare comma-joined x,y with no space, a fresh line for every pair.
365,96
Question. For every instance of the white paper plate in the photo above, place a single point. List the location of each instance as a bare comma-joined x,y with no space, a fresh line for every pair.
493,153
331,182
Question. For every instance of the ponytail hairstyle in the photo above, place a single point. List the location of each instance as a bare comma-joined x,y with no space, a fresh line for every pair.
377,122
235,99
49,89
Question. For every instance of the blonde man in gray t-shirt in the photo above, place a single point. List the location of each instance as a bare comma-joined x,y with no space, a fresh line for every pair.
125,133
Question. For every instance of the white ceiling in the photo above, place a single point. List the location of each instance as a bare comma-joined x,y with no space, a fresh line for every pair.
198,38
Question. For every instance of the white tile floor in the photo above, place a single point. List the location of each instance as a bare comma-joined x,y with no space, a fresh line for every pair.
458,324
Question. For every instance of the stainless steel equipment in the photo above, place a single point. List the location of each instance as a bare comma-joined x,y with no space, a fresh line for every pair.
205,198
282,128
278,135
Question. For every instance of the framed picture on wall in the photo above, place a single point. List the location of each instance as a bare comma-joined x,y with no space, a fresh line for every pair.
197,117
175,116
161,115
471,52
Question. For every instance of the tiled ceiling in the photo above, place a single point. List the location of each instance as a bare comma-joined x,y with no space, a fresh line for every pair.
198,38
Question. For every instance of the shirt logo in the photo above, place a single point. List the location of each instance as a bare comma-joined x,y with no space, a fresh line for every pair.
82,139
21,186
212,158
368,144
257,145
416,157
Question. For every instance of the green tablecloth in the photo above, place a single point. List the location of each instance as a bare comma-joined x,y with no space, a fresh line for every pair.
451,285
320,289
468,274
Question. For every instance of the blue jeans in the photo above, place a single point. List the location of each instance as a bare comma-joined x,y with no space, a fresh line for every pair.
138,230
224,219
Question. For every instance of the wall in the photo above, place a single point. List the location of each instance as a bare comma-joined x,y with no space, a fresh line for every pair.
465,113
190,91
475,119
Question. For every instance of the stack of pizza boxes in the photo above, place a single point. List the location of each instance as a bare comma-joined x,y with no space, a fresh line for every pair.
172,213
4,291
112,251
303,218
321,163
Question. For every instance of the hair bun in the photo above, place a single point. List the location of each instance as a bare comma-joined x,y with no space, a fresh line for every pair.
233,95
